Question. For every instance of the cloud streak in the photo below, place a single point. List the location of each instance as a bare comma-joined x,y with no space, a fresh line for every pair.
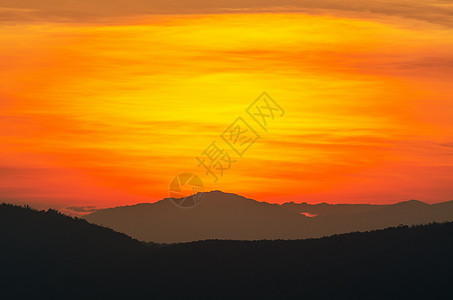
437,11
83,209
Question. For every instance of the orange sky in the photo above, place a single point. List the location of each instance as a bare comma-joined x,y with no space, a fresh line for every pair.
107,113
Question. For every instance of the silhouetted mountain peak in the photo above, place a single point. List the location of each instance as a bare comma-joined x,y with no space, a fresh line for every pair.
411,203
220,198
217,215
217,194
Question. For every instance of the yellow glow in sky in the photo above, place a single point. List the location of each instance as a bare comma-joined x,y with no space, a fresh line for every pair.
112,112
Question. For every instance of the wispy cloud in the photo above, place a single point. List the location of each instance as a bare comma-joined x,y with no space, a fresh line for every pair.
83,209
437,11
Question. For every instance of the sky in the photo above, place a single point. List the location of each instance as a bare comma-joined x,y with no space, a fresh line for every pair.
104,104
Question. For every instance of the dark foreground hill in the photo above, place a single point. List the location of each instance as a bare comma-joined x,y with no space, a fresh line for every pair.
47,255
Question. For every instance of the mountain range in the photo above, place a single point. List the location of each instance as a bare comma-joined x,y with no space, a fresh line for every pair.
229,216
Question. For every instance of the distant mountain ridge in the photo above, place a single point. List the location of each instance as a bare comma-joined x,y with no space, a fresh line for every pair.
229,216
219,215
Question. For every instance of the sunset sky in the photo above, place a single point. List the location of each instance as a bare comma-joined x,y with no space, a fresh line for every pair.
103,104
